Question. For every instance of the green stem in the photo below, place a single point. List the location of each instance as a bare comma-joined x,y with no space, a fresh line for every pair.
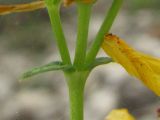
84,12
53,11
76,82
108,21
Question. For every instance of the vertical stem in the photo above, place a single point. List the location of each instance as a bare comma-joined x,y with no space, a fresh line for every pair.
53,11
84,12
109,19
76,103
76,82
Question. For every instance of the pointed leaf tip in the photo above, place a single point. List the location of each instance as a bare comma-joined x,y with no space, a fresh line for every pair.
100,61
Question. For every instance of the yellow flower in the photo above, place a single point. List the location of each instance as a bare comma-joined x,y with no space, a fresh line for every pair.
140,65
120,114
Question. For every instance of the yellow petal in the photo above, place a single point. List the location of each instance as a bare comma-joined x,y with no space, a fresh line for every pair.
140,65
7,9
153,62
68,2
120,114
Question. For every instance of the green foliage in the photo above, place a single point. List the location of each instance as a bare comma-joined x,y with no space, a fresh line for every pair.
85,60
46,68
100,61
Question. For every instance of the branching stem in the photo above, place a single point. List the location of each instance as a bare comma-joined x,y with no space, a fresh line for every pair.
108,21
53,11
84,12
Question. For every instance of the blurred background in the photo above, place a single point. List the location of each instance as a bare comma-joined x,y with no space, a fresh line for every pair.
26,41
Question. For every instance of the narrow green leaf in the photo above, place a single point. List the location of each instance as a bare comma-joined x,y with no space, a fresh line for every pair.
101,61
57,65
